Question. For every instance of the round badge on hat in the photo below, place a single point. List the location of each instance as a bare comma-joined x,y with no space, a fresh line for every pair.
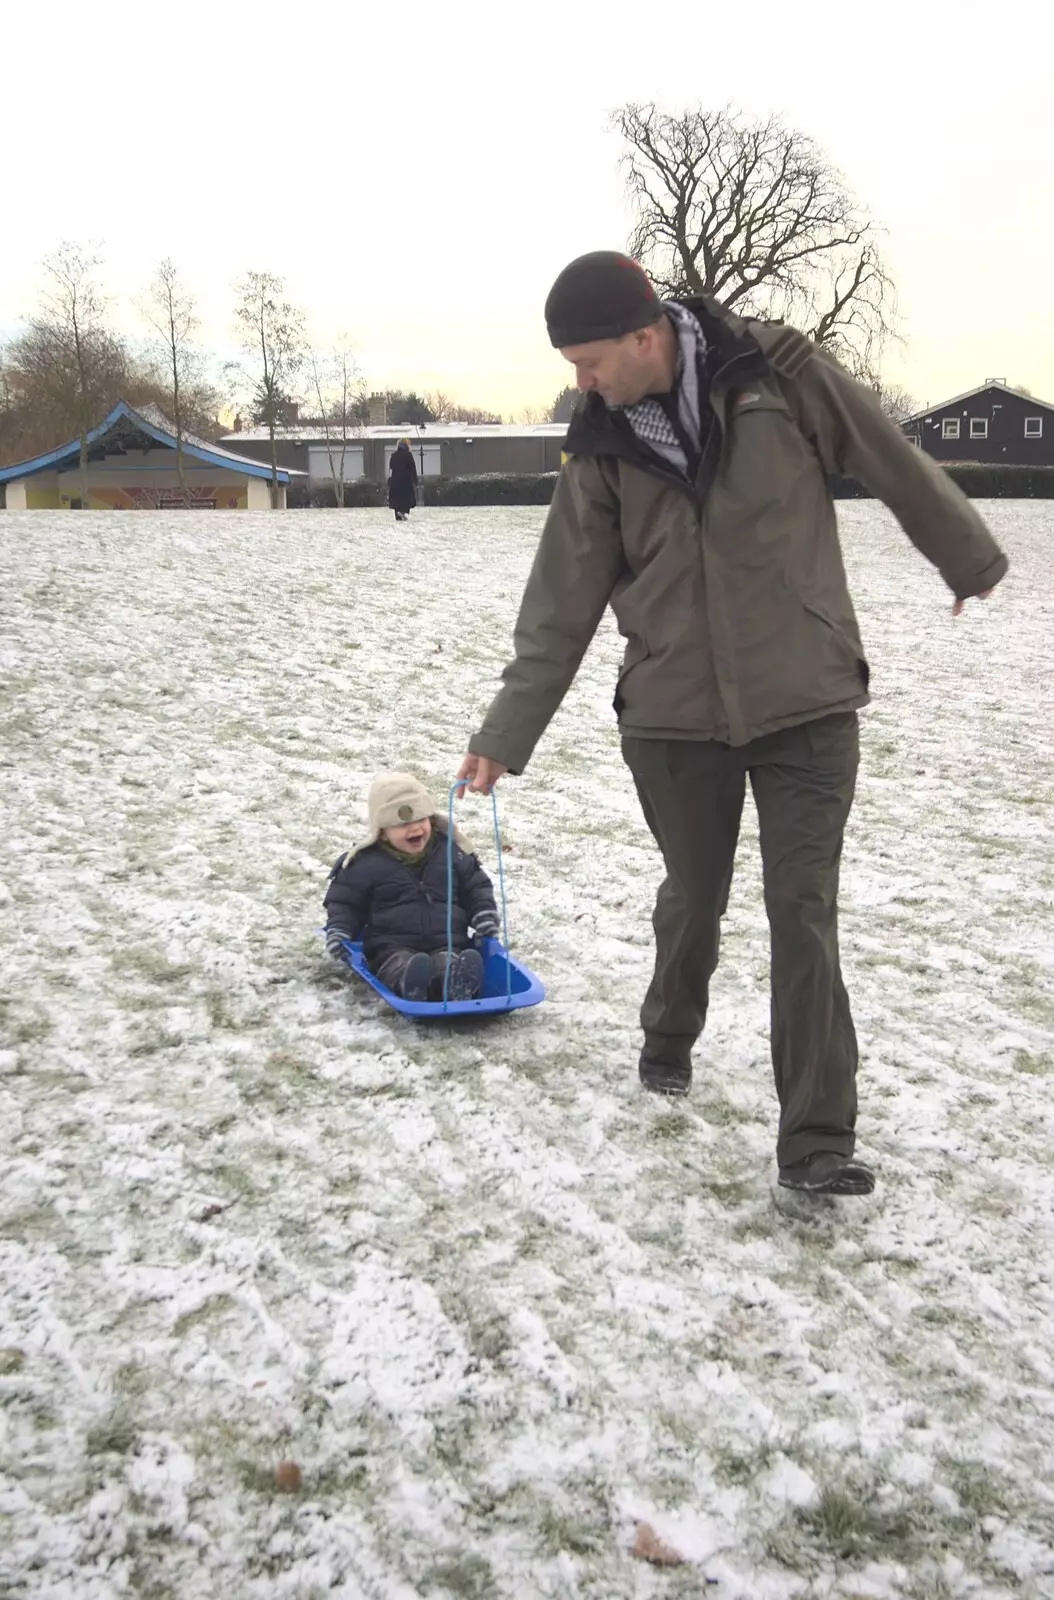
406,813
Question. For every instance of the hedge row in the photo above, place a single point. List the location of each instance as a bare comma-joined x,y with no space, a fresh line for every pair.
977,481
483,489
536,488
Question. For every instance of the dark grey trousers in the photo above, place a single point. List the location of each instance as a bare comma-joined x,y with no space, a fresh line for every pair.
692,793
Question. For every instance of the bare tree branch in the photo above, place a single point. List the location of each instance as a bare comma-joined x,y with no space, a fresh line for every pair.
70,335
753,214
169,308
444,409
340,391
895,401
272,334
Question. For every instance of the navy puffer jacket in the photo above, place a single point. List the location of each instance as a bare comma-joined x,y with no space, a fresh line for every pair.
390,906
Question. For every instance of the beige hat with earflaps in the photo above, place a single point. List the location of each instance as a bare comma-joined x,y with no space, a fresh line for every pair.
396,799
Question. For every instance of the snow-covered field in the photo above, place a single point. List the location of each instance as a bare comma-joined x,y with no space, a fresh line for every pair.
497,1303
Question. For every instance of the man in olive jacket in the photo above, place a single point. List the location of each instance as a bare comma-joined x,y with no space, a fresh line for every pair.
695,502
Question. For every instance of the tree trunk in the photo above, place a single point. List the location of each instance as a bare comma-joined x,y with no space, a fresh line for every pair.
82,385
177,407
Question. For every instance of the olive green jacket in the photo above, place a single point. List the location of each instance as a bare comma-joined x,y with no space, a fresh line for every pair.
730,592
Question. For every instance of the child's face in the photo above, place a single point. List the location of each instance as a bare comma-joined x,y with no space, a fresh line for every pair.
411,838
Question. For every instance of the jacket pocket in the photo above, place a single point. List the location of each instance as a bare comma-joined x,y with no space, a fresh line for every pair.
850,648
636,653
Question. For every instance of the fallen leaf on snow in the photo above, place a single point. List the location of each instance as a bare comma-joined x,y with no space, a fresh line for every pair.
287,1477
647,1546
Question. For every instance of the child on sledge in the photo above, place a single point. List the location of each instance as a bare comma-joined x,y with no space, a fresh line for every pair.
391,893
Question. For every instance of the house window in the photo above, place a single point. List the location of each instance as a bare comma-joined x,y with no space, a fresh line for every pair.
950,428
978,427
1033,427
322,469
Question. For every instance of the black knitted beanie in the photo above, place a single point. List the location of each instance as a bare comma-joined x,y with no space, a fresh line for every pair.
600,296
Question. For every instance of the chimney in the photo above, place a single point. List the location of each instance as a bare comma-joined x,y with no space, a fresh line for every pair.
378,404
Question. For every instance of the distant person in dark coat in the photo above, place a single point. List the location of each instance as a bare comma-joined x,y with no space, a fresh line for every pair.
402,481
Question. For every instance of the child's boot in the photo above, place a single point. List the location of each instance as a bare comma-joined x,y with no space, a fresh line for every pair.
417,977
466,975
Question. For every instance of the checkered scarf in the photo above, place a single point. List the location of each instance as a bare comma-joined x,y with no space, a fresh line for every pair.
680,443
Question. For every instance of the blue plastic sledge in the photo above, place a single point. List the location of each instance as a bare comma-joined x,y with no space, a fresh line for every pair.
506,986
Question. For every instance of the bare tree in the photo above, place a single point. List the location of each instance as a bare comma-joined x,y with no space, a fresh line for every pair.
752,213
895,401
170,310
68,340
441,406
563,406
41,401
340,392
8,406
271,330
444,409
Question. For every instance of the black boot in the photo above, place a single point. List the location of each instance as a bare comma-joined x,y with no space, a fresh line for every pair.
466,975
417,977
827,1172
666,1065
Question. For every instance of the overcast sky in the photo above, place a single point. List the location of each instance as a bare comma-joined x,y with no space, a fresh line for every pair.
420,173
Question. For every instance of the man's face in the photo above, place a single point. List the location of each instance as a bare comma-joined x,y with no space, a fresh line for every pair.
622,371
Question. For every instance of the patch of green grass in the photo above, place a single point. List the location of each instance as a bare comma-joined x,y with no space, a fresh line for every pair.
736,1467
469,1576
143,1577
395,1089
485,1330
939,1316
724,1114
758,1224
135,1384
222,1125
981,1489
155,966
38,1409
537,1236
154,1043
670,1126
728,1191
211,1310
929,1583
115,1435
1033,1066
658,1233
24,1026
28,1226
846,1527
230,1181
562,1530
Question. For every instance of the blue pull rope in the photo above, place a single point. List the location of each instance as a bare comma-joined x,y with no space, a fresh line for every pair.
461,784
